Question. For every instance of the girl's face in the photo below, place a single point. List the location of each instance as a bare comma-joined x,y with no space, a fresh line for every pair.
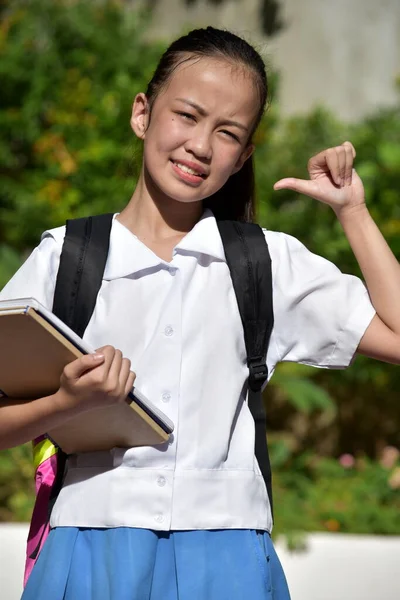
198,132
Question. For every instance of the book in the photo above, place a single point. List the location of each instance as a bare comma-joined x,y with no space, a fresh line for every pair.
35,346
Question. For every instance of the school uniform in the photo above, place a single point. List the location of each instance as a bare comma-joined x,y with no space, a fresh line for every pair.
189,519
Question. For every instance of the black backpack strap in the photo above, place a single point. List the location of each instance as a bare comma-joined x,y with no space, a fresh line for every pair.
249,262
82,262
80,274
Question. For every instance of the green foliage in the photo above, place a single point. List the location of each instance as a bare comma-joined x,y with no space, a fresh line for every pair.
285,149
16,484
366,397
293,383
10,261
69,72
311,492
321,494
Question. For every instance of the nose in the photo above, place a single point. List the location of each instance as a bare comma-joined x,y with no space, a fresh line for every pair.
199,143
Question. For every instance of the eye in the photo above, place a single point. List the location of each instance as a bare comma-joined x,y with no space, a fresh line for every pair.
186,116
231,135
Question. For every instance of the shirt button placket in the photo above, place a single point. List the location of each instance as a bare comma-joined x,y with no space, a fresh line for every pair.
170,346
161,482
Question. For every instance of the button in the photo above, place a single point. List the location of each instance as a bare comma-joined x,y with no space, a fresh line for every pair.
159,518
161,481
168,331
166,397
172,272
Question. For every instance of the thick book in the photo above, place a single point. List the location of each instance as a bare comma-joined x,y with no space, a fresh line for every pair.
35,346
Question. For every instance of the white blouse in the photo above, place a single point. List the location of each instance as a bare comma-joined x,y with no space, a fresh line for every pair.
179,324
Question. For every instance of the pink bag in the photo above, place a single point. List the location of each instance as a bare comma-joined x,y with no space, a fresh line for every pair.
45,459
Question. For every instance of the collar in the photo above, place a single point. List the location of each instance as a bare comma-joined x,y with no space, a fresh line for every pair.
128,255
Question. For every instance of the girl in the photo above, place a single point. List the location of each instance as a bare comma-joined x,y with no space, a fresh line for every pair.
191,519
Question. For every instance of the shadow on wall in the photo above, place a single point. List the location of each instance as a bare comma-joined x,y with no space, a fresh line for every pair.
270,14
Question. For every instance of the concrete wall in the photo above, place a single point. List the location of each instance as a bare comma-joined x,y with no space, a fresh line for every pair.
334,566
342,53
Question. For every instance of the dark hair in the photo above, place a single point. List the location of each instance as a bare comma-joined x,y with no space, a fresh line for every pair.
236,199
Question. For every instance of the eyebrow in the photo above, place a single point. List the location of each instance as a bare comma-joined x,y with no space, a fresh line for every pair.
204,113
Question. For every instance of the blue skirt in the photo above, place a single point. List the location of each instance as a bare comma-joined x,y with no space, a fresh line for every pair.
138,564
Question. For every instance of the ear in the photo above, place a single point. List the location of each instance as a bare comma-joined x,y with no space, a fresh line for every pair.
140,115
247,152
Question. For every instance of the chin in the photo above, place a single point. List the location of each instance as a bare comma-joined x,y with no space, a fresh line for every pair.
183,196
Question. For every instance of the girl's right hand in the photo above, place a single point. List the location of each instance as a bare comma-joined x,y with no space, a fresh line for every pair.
96,380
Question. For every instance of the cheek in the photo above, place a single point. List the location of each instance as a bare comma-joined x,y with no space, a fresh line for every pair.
225,159
166,136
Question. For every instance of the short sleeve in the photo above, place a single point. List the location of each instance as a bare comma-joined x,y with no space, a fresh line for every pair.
36,277
320,314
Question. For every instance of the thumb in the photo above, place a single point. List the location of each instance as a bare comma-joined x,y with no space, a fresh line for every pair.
297,185
78,367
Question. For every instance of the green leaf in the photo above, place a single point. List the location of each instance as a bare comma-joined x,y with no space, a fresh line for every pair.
305,395
389,155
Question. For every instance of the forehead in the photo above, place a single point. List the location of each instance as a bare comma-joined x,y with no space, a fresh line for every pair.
217,85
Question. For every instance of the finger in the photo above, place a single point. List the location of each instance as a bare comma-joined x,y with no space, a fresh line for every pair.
115,369
129,382
109,353
317,164
302,186
349,151
125,369
332,161
124,372
77,368
341,156
353,150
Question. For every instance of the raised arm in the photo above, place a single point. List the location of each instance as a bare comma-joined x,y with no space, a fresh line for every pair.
333,181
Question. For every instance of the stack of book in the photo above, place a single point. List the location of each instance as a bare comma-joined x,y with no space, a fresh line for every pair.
35,346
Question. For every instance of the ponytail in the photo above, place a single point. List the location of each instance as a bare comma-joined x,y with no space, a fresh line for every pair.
236,199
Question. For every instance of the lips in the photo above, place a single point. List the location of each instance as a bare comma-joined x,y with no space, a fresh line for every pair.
190,168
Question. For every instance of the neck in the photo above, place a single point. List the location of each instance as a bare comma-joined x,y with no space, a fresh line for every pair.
151,214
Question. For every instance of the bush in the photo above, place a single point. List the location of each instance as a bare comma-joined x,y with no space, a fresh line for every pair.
366,398
348,495
69,74
16,484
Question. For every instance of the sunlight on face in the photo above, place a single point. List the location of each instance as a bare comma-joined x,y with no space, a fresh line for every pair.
199,130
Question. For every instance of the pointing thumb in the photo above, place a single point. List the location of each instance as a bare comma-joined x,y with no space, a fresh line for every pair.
290,183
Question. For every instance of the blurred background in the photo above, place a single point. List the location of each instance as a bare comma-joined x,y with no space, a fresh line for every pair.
69,70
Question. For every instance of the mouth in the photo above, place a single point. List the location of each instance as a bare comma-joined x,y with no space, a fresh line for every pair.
189,171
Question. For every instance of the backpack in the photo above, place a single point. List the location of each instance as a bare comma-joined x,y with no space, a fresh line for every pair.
82,262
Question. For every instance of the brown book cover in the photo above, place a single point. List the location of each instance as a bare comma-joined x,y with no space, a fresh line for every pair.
33,353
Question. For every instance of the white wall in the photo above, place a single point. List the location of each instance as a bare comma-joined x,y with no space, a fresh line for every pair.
335,566
344,54
344,567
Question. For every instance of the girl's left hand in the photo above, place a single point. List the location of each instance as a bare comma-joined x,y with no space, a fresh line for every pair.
333,180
